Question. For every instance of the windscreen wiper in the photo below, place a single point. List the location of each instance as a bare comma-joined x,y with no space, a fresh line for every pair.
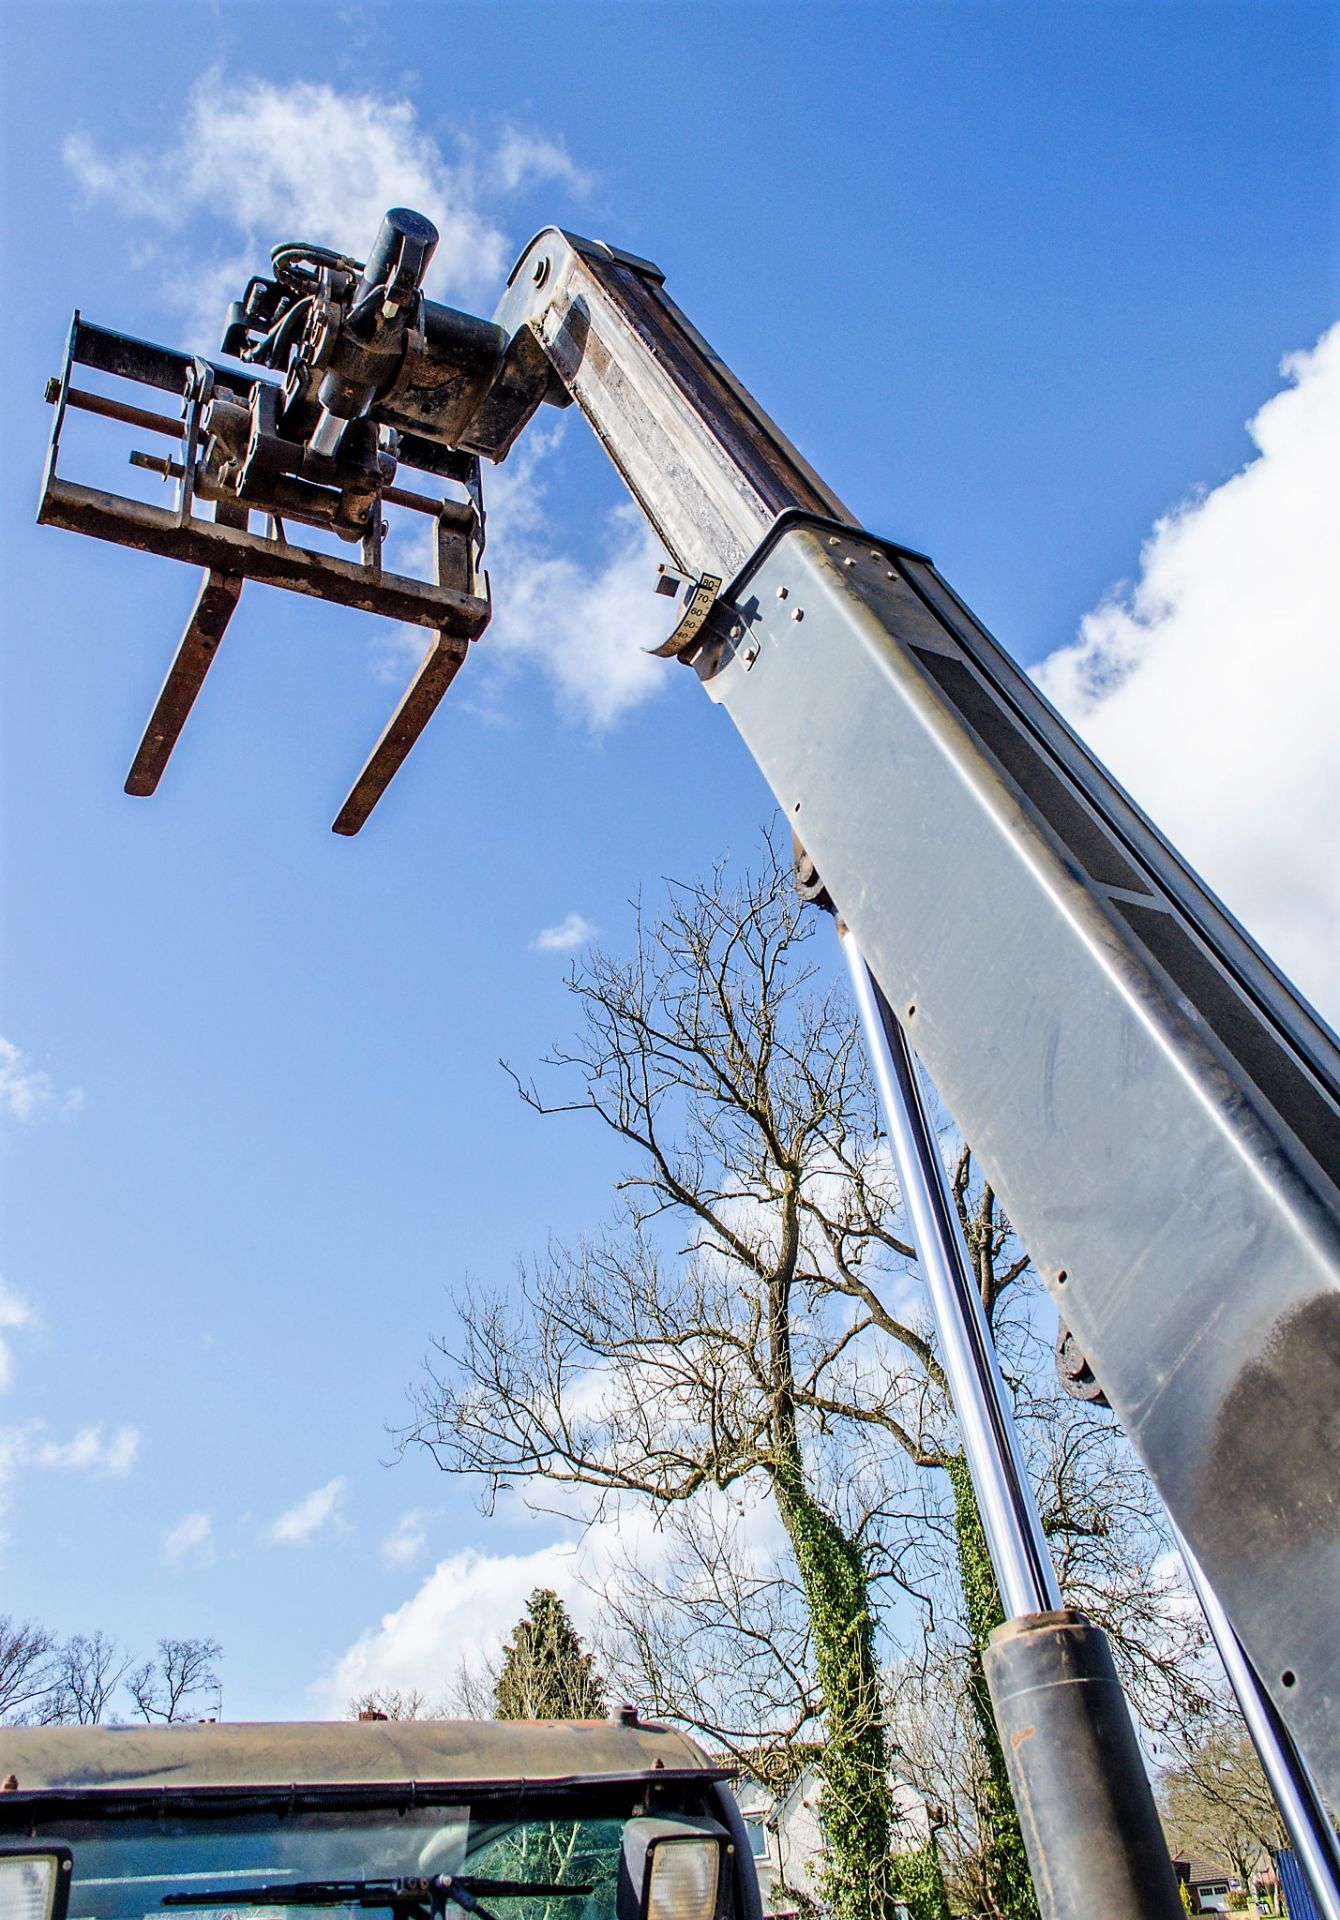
421,1898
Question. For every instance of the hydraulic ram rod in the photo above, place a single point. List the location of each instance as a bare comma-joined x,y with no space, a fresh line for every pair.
1023,1567
1155,1106
1090,1826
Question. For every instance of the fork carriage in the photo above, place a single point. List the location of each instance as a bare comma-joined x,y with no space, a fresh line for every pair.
234,541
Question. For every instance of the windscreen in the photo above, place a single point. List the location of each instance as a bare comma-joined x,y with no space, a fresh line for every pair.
124,1868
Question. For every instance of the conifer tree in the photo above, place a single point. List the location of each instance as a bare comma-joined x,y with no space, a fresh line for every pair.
547,1673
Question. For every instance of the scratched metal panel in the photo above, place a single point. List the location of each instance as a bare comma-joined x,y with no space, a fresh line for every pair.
1277,1001
708,468
1154,1133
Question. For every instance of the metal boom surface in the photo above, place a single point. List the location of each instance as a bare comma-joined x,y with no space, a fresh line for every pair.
1155,1105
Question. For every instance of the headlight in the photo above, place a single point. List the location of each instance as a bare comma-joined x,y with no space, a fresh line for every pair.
672,1870
684,1876
34,1884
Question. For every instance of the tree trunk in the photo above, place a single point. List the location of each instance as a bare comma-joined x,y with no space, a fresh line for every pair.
860,1881
1004,1860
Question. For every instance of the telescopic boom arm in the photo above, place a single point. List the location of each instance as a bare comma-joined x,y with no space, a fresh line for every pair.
1153,1102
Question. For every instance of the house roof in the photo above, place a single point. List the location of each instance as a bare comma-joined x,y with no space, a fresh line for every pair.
1198,1868
780,1766
774,1804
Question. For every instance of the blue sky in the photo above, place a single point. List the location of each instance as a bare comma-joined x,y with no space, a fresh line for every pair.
1014,277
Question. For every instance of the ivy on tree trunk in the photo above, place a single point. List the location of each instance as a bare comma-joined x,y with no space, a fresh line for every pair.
856,1806
917,1880
861,1878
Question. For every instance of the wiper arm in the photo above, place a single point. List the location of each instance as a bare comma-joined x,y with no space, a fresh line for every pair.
414,1899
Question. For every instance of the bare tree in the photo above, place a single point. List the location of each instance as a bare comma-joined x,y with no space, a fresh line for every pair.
752,1321
74,1682
762,1348
939,1748
1215,1800
390,1703
1114,1556
26,1668
714,1633
182,1676
469,1692
89,1667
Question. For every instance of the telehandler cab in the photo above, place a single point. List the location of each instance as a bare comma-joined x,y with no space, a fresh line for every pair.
499,1820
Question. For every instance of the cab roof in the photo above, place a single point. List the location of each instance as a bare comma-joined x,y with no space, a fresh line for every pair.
366,1753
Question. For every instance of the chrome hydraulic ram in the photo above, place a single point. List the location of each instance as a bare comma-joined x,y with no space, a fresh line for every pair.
1018,1546
1155,1105
1090,1826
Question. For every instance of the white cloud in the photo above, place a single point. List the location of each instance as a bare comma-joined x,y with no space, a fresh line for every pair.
467,1606
190,1542
586,627
522,159
269,162
463,1611
26,1092
574,931
320,1508
1211,688
15,1312
87,1451
406,1541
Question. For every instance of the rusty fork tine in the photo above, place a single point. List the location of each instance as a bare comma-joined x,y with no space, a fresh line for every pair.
219,594
437,670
